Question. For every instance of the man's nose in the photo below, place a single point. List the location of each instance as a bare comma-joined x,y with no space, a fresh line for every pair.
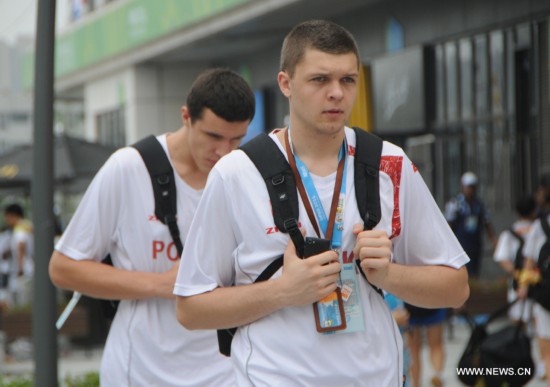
335,91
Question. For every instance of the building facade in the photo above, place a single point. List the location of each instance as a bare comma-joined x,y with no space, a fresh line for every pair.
461,85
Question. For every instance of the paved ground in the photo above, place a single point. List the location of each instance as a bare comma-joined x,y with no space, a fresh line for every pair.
454,347
79,362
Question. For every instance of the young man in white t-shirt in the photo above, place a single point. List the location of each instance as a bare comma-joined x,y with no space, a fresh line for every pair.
506,253
146,345
534,242
412,253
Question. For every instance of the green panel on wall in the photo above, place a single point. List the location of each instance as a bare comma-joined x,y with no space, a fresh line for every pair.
124,28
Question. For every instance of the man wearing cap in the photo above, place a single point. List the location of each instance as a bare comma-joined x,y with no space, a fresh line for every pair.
468,216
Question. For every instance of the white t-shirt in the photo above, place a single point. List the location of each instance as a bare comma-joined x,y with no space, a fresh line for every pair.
22,233
506,250
146,345
534,241
233,239
508,245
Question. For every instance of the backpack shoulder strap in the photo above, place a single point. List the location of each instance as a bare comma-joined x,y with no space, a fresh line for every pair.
368,152
280,183
516,235
281,186
164,186
518,260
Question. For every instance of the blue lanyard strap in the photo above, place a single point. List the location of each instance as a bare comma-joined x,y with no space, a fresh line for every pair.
332,225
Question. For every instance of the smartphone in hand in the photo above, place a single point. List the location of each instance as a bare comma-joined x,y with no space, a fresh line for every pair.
314,246
329,312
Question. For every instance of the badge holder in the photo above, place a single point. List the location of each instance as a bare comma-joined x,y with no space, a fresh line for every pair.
329,313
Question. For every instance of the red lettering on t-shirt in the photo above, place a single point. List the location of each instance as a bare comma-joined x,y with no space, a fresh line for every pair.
172,252
158,247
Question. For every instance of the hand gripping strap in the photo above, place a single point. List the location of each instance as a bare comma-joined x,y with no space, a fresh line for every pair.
164,185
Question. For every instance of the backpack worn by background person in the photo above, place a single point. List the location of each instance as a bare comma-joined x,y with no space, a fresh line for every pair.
541,291
508,348
519,259
281,186
164,189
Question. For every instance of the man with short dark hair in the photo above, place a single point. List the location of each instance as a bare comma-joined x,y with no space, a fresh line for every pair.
411,253
146,345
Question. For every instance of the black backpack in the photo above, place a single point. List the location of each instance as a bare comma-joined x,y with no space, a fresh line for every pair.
519,259
164,188
281,186
507,349
541,291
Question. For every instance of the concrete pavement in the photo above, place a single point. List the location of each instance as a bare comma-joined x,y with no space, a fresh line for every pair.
77,362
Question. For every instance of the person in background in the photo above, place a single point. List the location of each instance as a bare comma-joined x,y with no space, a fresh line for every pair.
542,195
430,322
469,217
146,345
506,254
22,264
5,265
534,241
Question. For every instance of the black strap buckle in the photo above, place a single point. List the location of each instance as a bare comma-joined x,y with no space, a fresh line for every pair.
291,225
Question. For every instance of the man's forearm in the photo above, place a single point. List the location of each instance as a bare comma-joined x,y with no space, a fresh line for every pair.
428,286
230,306
104,281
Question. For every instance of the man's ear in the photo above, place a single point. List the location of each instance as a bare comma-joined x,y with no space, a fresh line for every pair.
185,116
284,83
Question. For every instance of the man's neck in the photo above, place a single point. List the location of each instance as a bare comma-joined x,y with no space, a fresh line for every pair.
184,164
318,151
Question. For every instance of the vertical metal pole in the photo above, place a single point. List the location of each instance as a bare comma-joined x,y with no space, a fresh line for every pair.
44,302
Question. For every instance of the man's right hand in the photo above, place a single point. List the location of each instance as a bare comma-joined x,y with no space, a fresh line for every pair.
305,281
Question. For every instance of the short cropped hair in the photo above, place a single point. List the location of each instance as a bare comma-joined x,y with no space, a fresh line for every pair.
321,35
14,209
224,92
526,206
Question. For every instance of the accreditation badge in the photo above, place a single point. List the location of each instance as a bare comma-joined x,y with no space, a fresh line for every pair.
351,296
